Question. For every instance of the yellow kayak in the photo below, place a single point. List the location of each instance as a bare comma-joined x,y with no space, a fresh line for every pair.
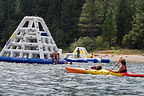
92,71
102,72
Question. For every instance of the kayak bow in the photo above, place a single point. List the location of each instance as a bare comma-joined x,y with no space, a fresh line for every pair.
101,72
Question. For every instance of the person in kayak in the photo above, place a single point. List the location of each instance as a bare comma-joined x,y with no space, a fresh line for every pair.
122,68
96,67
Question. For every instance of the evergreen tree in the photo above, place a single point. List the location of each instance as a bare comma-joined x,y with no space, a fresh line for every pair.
52,18
91,18
1,20
9,23
110,4
35,7
26,7
135,38
43,7
1,12
124,18
70,13
109,29
66,24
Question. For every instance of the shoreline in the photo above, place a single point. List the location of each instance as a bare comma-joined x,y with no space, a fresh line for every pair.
115,58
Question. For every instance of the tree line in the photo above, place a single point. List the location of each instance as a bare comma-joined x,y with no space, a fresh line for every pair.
94,24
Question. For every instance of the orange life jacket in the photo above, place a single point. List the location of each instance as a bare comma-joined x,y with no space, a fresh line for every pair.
53,55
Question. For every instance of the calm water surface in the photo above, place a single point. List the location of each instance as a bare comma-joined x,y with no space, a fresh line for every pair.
53,80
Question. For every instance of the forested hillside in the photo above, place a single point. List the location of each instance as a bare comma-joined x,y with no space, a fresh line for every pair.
94,24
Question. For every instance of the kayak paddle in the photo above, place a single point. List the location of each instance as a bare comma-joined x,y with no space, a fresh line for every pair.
115,65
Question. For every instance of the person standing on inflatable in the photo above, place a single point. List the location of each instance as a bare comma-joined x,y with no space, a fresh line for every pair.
78,53
55,57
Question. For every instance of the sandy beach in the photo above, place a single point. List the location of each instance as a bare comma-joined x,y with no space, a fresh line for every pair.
129,58
115,58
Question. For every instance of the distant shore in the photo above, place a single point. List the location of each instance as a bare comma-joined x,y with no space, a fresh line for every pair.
116,57
134,56
129,58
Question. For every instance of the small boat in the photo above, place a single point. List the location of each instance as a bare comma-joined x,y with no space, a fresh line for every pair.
101,72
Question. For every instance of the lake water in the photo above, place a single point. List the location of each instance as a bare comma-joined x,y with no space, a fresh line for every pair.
53,80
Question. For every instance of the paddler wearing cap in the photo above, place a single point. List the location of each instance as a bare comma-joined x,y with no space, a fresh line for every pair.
122,68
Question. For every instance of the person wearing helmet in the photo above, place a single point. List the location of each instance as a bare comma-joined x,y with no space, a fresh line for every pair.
122,68
97,67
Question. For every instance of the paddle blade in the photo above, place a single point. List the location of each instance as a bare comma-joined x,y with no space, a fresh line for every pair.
119,60
115,65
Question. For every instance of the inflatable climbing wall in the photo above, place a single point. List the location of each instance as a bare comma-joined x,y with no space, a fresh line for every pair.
31,39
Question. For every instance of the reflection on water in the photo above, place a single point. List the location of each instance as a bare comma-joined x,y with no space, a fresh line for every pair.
32,79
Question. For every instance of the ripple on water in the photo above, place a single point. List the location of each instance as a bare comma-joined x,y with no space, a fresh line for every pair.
36,79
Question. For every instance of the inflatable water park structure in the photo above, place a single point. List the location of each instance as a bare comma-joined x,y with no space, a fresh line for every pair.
84,57
32,42
83,53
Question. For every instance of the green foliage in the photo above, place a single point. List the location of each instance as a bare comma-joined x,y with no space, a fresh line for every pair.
99,42
91,18
51,16
124,18
70,12
115,51
129,40
110,4
86,42
134,39
139,6
60,38
110,24
109,29
1,13
61,17
106,45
